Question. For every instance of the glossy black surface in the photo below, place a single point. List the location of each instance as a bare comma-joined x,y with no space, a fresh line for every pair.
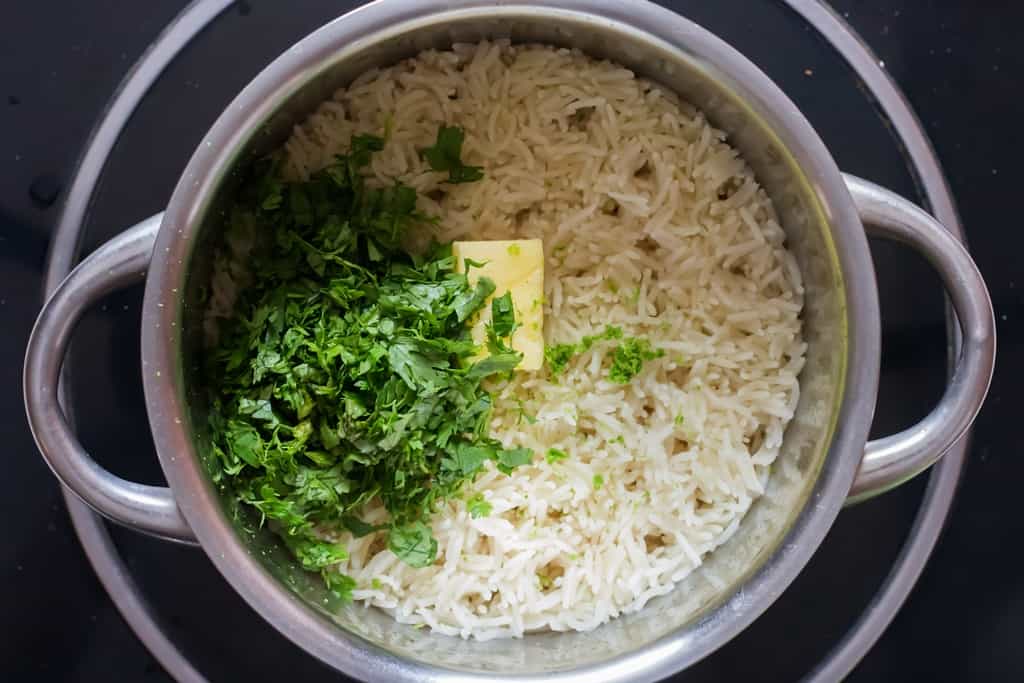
959,67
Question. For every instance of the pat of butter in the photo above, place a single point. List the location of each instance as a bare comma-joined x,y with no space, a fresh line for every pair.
515,266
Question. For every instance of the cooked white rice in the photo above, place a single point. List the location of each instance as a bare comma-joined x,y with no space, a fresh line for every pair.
650,222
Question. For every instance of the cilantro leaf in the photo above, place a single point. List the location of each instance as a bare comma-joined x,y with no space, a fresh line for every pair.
339,584
467,459
508,460
503,316
554,455
494,364
413,544
478,507
359,528
361,146
419,370
244,443
446,155
467,303
465,174
315,554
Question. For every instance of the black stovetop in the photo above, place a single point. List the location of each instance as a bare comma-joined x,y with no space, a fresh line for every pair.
959,63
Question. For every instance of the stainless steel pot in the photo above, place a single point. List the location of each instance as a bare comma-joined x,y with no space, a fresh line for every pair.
826,459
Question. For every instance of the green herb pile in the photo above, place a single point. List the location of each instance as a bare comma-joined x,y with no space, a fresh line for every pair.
345,374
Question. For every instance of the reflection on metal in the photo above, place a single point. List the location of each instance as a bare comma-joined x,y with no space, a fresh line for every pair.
118,263
892,460
945,475
64,247
64,253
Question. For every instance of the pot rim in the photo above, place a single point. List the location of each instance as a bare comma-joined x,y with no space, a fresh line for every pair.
166,402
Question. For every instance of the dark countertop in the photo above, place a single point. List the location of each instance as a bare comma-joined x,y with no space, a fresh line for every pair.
960,65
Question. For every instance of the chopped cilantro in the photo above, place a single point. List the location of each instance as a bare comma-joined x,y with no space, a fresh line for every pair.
523,414
598,482
358,527
446,155
339,584
554,455
375,584
679,420
514,250
478,507
610,332
345,374
469,301
413,544
629,357
510,459
316,554
558,356
503,316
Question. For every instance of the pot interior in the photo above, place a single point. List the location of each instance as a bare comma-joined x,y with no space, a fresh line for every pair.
795,483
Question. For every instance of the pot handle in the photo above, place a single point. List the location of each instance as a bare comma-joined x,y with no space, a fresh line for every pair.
120,262
891,460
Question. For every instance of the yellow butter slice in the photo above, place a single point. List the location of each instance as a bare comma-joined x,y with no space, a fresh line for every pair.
515,266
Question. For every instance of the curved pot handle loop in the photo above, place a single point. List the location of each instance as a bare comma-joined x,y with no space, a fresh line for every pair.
893,459
120,262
